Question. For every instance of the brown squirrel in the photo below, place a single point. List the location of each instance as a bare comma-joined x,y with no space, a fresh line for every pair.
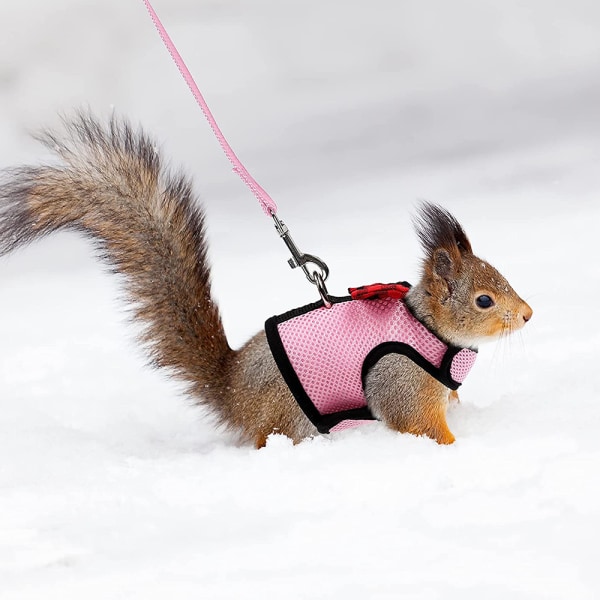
111,185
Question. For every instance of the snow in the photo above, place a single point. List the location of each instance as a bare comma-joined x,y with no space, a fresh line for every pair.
348,113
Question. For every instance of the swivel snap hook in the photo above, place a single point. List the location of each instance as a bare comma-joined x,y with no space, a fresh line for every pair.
303,260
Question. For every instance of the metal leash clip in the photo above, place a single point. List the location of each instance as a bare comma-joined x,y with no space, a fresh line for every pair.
302,260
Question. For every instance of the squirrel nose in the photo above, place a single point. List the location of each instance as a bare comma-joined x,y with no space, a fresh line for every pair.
527,312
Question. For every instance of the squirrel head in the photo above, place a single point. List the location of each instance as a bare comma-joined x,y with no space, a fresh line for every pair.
460,297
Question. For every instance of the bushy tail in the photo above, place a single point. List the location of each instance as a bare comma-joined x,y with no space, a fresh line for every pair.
111,186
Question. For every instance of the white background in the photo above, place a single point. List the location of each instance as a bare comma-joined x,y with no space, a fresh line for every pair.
348,113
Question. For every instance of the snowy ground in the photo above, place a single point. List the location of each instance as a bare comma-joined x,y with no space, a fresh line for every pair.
111,486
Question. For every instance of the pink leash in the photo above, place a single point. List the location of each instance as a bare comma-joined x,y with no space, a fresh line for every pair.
299,259
267,203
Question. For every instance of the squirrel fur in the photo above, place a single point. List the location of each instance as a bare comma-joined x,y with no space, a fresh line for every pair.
112,186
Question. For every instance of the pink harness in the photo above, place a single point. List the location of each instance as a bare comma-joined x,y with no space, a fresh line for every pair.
325,354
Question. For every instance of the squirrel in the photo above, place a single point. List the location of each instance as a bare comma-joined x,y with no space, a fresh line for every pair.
111,185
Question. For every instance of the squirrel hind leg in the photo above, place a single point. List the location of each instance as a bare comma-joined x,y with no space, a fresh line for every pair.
260,441
407,399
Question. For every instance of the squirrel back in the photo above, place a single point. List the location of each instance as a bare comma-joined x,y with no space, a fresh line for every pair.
111,185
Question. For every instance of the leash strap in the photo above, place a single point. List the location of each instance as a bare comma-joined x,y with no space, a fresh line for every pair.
266,202
314,268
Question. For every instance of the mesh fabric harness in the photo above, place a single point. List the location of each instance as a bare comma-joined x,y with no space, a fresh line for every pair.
325,354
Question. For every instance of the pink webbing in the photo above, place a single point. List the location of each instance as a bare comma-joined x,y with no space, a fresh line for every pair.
267,203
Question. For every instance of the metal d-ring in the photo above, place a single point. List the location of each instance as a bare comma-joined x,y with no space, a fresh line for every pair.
304,260
320,283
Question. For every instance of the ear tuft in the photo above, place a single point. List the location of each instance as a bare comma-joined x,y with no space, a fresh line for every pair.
437,228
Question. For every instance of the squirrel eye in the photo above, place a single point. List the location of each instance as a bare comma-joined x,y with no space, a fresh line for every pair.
484,301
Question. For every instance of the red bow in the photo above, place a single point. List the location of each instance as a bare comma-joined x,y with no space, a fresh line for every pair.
379,290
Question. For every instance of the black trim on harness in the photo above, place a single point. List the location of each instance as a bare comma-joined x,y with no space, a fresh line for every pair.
287,371
442,374
302,310
328,422
323,423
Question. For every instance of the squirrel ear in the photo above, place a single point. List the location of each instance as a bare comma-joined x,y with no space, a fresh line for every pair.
443,265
